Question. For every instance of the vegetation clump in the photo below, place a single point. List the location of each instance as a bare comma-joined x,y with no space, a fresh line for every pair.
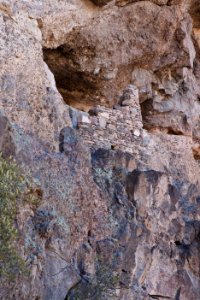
11,182
102,286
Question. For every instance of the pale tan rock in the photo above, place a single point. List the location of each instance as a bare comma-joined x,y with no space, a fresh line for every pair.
109,49
27,84
136,132
102,122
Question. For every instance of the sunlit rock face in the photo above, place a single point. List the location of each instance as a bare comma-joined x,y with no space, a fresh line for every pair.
100,105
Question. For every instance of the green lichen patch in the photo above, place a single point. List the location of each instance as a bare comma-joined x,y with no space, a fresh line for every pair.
15,189
11,182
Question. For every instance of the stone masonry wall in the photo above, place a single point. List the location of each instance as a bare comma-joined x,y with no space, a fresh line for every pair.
111,128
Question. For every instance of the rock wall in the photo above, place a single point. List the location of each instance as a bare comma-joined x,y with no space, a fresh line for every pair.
111,129
118,128
99,104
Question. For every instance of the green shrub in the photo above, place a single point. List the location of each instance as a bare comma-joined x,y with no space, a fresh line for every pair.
11,182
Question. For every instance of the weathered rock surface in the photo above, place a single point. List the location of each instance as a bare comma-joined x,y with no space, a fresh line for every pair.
119,190
101,55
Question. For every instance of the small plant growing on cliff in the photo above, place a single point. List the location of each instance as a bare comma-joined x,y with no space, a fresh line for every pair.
106,283
101,287
11,182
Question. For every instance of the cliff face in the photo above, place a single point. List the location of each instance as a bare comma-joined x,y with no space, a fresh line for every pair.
100,105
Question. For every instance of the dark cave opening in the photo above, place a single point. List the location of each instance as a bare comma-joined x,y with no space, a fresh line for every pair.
76,87
194,12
